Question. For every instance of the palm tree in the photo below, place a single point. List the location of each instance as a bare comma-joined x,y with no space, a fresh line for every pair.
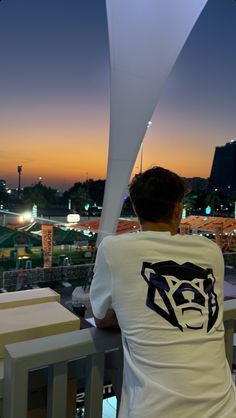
189,201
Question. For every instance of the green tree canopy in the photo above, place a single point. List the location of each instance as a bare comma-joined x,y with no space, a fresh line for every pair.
213,199
90,192
4,197
39,194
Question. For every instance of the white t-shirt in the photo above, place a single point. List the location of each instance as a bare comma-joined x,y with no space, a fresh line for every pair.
167,292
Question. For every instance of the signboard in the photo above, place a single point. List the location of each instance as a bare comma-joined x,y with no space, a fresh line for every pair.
73,218
184,229
47,244
108,392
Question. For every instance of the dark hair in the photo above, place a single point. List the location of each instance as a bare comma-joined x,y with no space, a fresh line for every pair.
155,193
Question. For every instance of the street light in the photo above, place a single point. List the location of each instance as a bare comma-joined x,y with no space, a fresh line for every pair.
149,124
19,170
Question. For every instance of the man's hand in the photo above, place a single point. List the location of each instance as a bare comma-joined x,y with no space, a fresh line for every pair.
109,320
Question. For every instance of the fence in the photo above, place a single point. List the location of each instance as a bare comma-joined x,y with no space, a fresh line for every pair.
42,275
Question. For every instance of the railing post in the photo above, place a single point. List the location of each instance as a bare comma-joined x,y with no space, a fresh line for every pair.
15,397
114,366
57,390
94,385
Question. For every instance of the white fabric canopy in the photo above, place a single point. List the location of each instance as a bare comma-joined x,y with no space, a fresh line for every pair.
146,37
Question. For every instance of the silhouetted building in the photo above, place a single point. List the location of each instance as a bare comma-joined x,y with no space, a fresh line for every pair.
223,172
2,184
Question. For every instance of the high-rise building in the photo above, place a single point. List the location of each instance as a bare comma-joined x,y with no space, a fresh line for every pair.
223,171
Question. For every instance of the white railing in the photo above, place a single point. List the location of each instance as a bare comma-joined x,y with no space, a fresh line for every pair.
88,351
83,354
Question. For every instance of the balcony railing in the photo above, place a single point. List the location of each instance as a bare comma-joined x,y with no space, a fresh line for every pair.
65,358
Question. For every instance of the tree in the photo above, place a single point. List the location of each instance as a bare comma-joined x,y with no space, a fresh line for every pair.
201,199
190,201
79,200
39,194
90,192
3,195
95,189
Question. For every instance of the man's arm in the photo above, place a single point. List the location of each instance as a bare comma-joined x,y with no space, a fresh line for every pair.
109,320
101,292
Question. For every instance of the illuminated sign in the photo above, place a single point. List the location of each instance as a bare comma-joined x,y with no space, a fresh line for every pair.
208,210
34,211
47,244
73,218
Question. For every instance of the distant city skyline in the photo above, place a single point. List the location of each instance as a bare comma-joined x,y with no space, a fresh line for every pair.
54,102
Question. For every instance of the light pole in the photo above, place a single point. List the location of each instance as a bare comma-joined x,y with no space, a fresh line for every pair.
19,170
141,150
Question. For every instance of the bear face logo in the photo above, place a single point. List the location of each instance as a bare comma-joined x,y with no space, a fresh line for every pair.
183,294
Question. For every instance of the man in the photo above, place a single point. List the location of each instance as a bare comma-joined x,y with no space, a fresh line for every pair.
165,291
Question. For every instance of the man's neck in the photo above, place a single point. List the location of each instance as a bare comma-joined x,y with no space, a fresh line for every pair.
158,226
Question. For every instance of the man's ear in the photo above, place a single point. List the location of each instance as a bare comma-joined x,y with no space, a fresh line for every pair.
178,210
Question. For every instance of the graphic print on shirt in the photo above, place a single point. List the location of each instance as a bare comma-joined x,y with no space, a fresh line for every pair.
183,294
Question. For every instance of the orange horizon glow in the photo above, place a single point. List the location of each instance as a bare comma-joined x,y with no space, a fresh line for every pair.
77,160
66,147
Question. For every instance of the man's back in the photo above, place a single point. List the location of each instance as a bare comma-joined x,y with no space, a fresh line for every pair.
167,293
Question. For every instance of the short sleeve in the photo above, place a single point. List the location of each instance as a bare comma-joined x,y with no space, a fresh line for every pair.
100,291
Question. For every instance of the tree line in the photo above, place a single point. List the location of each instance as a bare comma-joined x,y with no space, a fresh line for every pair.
79,197
87,196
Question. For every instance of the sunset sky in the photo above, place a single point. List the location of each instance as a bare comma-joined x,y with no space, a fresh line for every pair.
54,93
